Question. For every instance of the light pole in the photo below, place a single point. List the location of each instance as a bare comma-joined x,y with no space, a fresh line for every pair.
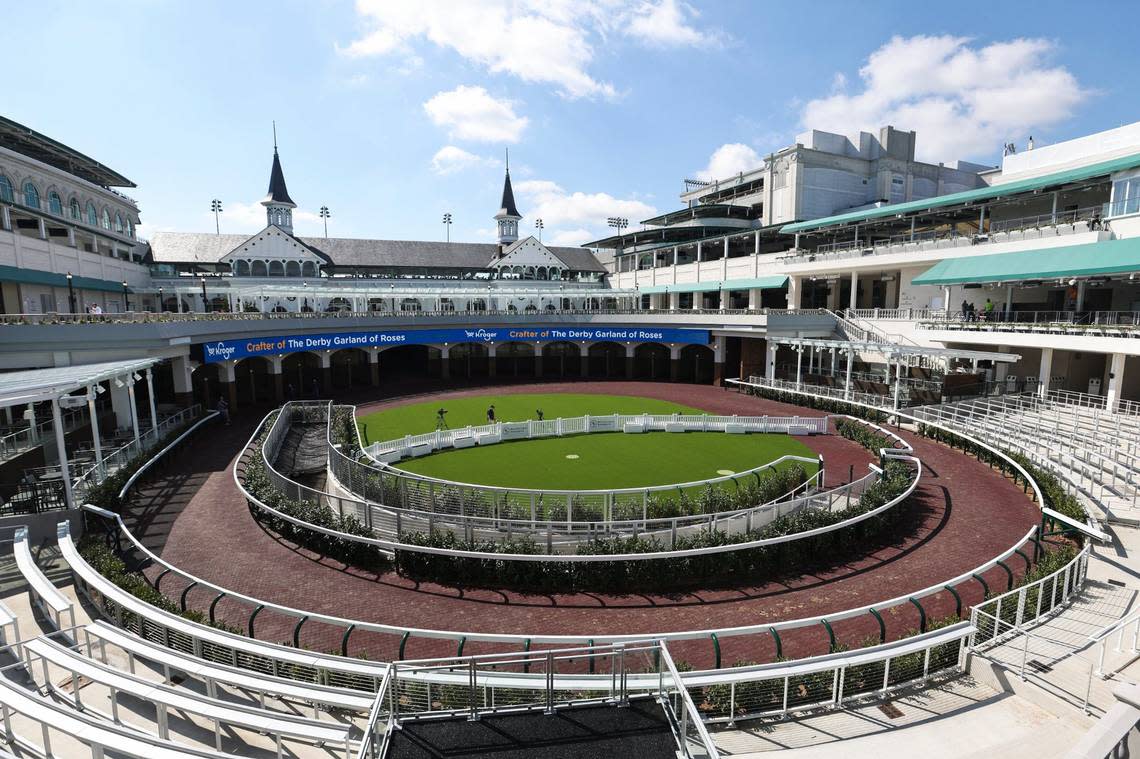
539,226
70,293
325,216
161,302
619,224
205,302
126,301
216,207
447,224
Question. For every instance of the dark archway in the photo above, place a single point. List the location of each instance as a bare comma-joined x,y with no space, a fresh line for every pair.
607,360
514,360
468,360
301,375
651,361
350,367
561,359
254,382
696,364
207,384
409,362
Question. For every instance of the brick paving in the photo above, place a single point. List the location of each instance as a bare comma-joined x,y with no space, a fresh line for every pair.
962,514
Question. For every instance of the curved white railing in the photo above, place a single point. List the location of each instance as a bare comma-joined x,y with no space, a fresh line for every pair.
169,447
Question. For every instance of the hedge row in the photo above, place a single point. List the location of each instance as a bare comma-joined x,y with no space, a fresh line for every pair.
865,436
830,405
256,481
753,565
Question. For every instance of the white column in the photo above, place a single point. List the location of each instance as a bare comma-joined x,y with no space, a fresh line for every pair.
1115,375
770,364
1001,368
793,292
1044,371
847,383
833,352
754,298
799,366
699,258
120,402
946,299
95,442
150,401
898,381
853,299
1080,295
1008,300
61,448
183,380
134,411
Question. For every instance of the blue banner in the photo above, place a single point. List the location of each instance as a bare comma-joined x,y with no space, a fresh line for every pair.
225,350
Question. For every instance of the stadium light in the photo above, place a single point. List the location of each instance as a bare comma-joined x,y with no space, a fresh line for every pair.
216,207
324,213
447,225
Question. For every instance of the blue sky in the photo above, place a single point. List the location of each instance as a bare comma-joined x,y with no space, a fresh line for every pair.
392,113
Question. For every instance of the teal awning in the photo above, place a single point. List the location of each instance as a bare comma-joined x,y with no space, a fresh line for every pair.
1103,168
759,283
51,279
1093,259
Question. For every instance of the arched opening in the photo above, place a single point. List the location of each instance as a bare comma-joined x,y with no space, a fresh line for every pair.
308,269
407,363
301,375
607,360
446,305
55,204
207,385
377,304
478,305
651,361
531,309
254,382
276,269
219,303
292,269
468,360
337,305
258,269
541,273
561,359
696,364
514,360
241,268
350,367
410,304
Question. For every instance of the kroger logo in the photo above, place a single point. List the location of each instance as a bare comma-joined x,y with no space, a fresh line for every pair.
481,334
221,350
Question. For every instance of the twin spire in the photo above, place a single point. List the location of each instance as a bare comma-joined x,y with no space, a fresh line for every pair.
279,206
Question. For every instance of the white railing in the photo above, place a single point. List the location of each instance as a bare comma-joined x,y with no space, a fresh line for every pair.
387,451
25,438
169,447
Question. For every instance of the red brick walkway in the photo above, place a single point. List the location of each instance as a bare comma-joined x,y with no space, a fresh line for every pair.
962,515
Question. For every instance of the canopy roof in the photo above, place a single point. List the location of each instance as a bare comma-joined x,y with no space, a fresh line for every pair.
990,192
36,277
29,142
1092,259
893,350
760,283
34,385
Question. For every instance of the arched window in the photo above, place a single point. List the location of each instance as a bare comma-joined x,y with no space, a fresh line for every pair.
106,219
276,269
55,204
92,214
308,269
241,269
5,188
130,228
76,212
118,223
31,195
292,269
257,269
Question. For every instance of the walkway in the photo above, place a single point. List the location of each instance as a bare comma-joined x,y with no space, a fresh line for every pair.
963,514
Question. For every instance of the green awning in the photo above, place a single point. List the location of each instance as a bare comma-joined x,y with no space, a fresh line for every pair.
968,196
1093,259
759,283
51,279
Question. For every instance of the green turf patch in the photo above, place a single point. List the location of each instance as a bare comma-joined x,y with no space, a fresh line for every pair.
580,462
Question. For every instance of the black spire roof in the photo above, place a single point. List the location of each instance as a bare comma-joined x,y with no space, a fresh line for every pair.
507,205
278,192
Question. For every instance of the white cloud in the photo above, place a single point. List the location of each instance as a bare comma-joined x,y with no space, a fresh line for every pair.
964,101
470,113
537,41
572,218
731,158
450,159
665,24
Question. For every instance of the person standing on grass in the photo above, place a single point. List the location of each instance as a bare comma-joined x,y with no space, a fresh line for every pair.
491,414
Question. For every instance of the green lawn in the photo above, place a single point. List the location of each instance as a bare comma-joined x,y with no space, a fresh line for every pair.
604,460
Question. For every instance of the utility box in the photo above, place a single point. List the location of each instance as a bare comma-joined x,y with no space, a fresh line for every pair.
1094,386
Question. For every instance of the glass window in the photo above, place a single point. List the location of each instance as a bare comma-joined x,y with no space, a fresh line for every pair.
1126,196
92,215
276,269
55,204
31,195
118,223
106,219
76,213
5,188
258,268
242,269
